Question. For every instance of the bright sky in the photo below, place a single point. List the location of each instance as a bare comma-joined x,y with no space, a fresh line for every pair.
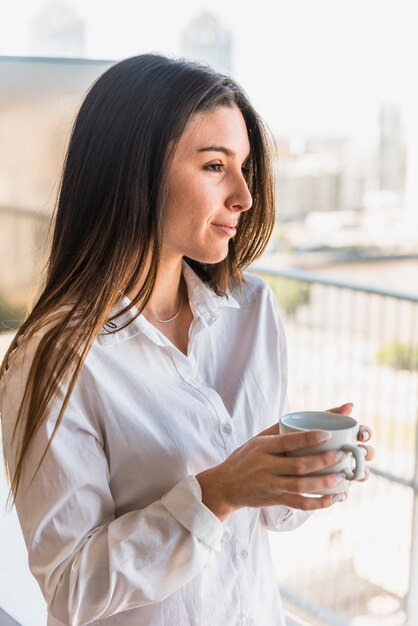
307,65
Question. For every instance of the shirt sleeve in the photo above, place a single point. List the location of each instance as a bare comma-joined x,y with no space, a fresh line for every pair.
280,518
90,562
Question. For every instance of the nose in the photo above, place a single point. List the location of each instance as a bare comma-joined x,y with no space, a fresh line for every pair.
240,198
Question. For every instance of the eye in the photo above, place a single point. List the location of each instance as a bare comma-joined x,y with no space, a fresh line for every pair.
214,167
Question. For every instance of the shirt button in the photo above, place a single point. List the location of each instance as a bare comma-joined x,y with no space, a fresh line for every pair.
227,428
243,554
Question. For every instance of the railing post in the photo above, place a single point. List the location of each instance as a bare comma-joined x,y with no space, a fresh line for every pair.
412,598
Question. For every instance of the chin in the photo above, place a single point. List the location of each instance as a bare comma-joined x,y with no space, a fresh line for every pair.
209,259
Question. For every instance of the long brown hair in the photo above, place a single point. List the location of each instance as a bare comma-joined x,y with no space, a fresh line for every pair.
109,216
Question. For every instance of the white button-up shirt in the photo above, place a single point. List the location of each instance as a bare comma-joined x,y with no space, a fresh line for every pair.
114,523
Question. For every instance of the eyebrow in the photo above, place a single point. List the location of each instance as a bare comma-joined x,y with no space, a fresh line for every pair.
227,151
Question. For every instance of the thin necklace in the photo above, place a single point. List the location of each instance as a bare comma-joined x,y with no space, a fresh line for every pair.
171,318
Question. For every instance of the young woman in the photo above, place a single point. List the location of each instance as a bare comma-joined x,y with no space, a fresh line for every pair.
140,398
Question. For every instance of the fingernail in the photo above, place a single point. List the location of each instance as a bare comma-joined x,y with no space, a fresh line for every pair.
365,435
340,456
323,436
340,497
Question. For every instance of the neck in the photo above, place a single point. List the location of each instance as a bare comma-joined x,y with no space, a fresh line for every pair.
165,298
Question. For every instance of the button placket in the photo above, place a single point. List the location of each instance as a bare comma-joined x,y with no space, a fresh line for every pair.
227,536
243,554
217,403
186,367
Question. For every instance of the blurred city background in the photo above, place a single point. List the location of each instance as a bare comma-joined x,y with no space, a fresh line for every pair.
334,82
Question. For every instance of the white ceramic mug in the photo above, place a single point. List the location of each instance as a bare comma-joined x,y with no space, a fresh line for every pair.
343,430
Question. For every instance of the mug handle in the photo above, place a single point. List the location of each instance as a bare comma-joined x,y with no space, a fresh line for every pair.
359,459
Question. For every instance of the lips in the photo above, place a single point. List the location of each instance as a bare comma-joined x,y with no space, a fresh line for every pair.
228,230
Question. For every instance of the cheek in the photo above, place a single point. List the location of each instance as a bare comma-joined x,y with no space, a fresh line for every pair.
191,204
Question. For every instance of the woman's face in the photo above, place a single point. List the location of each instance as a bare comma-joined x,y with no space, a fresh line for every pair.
206,187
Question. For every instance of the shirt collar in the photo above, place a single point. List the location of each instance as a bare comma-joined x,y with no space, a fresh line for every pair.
202,297
203,301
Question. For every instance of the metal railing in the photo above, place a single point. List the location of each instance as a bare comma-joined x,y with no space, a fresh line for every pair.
355,564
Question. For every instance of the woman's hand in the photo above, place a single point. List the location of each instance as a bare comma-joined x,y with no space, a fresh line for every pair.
260,474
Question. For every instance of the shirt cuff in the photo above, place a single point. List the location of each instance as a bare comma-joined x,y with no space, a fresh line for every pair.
281,517
184,502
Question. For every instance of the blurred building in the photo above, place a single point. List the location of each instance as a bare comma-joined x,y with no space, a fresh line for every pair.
316,174
205,39
38,101
309,183
391,151
56,30
411,178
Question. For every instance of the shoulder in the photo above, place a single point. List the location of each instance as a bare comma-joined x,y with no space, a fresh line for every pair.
257,296
254,291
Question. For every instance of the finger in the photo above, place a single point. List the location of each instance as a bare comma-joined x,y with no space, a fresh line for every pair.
369,452
364,433
297,501
344,409
309,484
286,442
302,465
365,476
